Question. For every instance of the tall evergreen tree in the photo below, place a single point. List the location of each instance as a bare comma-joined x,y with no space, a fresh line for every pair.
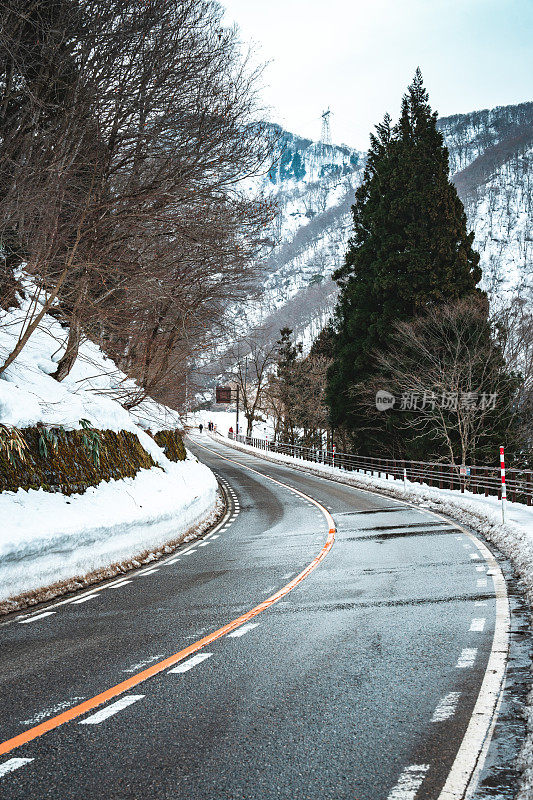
410,248
288,376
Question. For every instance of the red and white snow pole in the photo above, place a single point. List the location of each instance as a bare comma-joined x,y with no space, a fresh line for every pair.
504,488
333,459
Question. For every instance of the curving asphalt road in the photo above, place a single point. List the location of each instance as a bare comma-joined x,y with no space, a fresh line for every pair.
359,682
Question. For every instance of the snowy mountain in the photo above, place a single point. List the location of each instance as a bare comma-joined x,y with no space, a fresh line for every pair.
313,184
491,159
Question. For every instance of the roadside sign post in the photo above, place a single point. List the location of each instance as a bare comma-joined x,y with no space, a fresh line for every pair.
504,488
225,394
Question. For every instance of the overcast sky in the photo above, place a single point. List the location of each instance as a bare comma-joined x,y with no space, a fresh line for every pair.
357,56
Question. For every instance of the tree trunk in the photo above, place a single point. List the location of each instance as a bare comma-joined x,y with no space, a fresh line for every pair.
67,360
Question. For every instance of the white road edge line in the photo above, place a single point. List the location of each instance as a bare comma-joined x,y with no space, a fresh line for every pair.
185,666
42,615
463,777
83,599
110,711
12,764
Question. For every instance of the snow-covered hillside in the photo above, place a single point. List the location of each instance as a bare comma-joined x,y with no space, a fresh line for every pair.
91,391
313,184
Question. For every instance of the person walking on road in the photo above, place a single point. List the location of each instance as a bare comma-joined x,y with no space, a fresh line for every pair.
200,427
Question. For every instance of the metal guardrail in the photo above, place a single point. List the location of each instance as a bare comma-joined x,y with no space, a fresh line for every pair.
481,480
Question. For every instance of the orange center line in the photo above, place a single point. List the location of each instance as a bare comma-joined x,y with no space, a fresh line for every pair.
88,705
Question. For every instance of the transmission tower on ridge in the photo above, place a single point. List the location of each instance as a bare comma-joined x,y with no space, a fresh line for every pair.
325,137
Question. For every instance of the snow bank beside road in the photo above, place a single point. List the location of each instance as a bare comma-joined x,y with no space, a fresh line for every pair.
46,538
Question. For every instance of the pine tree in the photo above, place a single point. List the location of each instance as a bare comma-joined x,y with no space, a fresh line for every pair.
410,248
288,378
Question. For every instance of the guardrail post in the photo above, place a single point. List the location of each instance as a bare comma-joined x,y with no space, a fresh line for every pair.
504,490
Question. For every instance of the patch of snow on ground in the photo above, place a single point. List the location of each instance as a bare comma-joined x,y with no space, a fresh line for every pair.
224,420
92,390
48,537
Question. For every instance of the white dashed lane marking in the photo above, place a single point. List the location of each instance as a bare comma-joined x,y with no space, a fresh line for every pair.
84,599
36,617
141,664
118,585
110,711
481,582
409,782
446,708
474,555
467,658
242,630
478,624
12,764
185,666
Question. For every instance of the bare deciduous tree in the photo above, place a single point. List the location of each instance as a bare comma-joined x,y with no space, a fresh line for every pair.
450,375
253,359
125,198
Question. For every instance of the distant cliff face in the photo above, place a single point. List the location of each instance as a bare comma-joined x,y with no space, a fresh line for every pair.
491,161
313,185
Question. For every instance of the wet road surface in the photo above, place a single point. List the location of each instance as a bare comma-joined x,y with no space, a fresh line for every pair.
359,683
